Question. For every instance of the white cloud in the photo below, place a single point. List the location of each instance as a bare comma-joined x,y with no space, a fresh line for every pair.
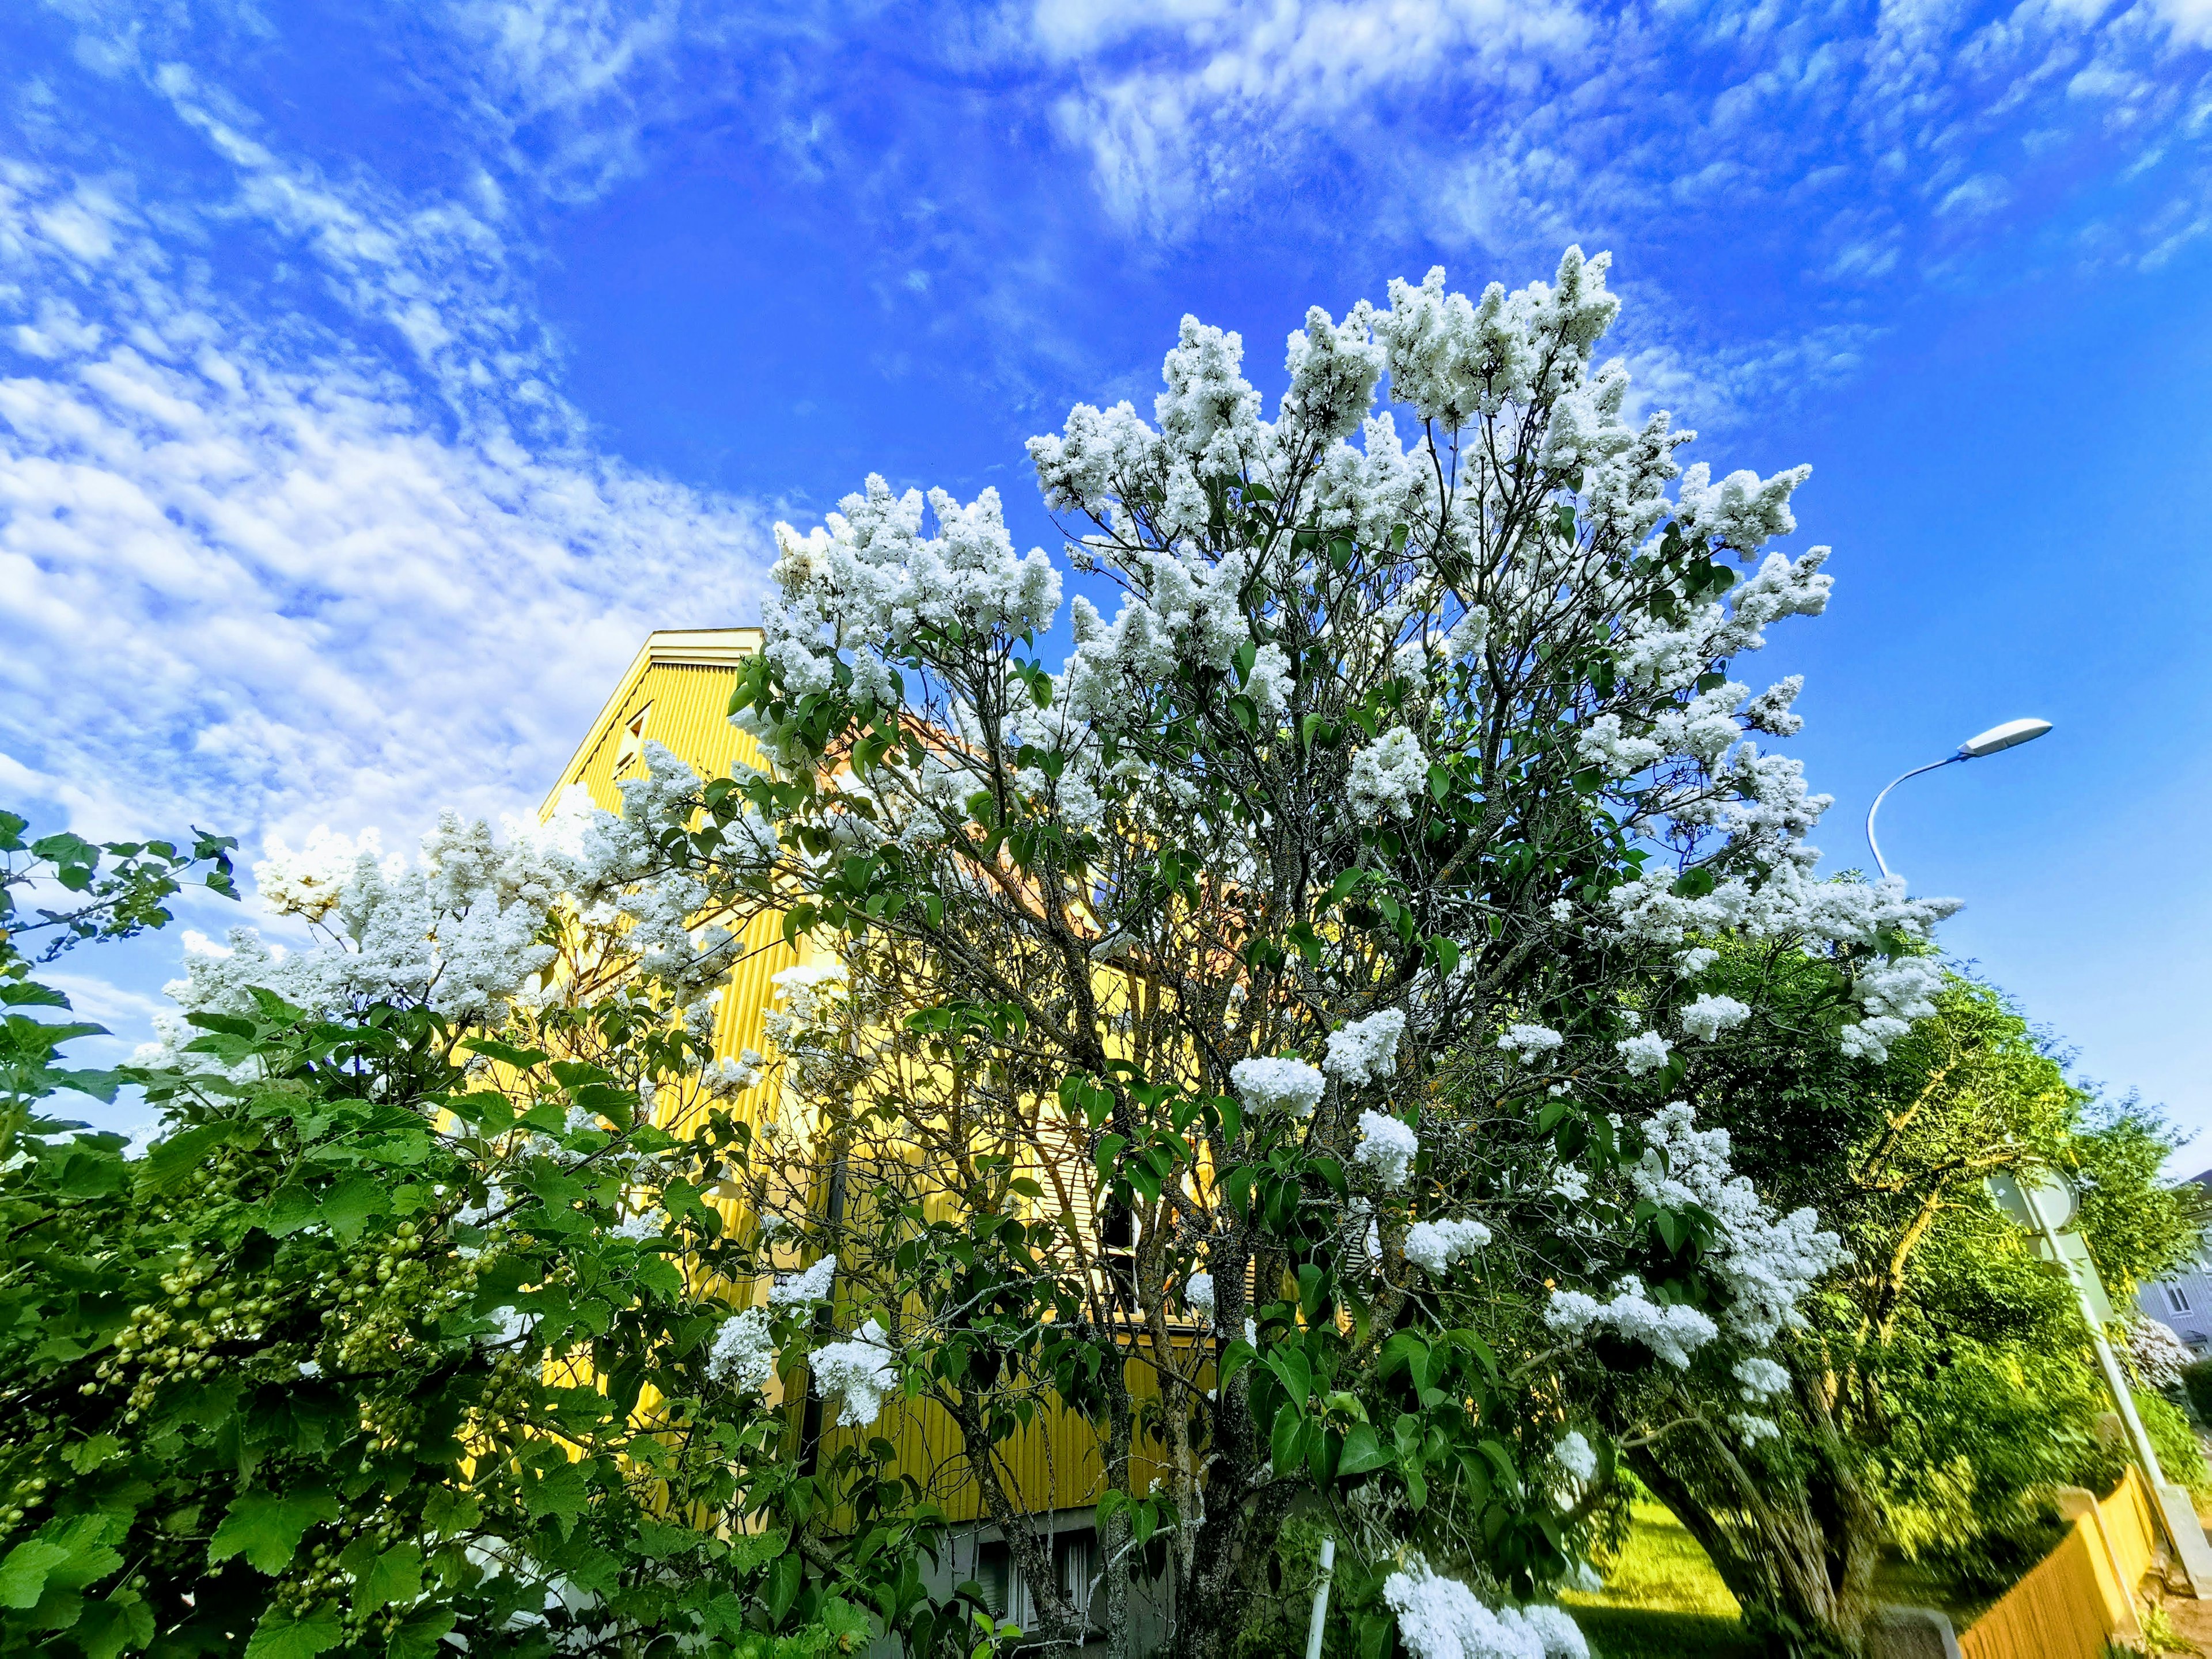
246,576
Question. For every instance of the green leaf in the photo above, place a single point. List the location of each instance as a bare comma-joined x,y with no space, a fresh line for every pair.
347,1207
394,1576
266,1527
1363,1451
23,1574
284,1635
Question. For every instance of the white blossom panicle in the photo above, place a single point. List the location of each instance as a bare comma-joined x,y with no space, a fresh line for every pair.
812,1286
2158,1355
1673,1331
1761,1377
1571,1183
1272,1082
1646,1051
1387,777
862,1370
1388,1146
741,1356
1754,1428
1198,1291
1575,1455
1440,1618
1766,1263
1709,1016
728,1076
310,882
1366,1050
1694,961
1437,1245
1530,1041
646,1224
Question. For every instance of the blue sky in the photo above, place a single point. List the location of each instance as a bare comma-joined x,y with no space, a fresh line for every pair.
372,376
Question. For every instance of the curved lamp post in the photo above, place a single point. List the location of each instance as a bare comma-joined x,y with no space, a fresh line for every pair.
1997,739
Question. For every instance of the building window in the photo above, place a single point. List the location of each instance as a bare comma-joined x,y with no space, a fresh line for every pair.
2177,1299
633,739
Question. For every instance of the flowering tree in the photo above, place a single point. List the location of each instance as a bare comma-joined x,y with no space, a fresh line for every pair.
1394,758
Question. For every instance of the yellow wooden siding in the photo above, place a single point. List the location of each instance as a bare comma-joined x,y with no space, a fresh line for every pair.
2071,1603
681,683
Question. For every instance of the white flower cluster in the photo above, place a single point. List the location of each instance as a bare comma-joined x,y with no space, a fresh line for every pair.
459,929
1530,1041
1761,1377
1767,1263
2157,1353
862,1369
1366,1050
1271,1083
1895,993
1646,1051
1198,1291
742,1355
1439,1618
871,573
1789,902
1709,1016
1574,1455
812,1286
1437,1245
728,1076
1386,776
646,1224
1388,1146
1672,1331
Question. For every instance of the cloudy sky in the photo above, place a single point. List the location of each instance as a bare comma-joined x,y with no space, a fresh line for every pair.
375,375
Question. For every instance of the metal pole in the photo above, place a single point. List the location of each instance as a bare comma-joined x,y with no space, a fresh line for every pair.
1321,1598
2122,1396
1891,785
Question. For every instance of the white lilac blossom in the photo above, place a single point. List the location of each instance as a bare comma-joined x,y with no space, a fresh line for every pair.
1387,1146
1646,1051
728,1076
1387,777
1268,1083
812,1286
459,928
646,1224
742,1355
1754,1428
1198,1291
1766,1263
1437,1245
1672,1331
1530,1041
1761,1377
1366,1050
1709,1016
1440,1618
1575,1455
861,1369
1694,961
2157,1354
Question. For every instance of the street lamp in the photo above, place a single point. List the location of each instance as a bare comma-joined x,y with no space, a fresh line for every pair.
2010,735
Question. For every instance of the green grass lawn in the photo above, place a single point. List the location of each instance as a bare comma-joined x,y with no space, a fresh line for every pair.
1663,1600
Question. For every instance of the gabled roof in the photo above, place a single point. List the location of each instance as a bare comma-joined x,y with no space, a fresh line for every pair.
682,675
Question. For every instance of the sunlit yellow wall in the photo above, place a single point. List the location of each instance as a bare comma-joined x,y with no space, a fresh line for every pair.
681,681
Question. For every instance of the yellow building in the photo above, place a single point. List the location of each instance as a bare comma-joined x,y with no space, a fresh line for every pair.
676,693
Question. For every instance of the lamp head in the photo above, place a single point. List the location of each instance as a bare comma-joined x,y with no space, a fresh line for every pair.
2010,735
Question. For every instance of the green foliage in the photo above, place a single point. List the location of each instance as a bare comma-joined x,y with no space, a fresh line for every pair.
1963,1382
358,1356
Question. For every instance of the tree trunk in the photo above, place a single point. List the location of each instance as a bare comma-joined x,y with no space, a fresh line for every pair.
1798,1554
1114,1536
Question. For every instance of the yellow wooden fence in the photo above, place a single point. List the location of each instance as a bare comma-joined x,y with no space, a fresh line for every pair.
2082,1596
